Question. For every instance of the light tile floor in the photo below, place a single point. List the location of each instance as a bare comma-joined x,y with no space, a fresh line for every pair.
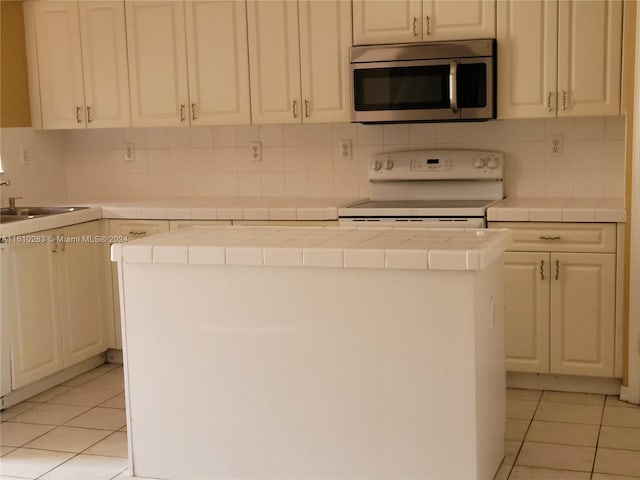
77,431
570,436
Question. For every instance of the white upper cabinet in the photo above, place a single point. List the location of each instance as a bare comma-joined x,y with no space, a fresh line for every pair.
558,58
325,39
299,57
387,21
59,64
404,21
458,20
589,57
104,60
527,34
218,62
274,58
157,63
79,53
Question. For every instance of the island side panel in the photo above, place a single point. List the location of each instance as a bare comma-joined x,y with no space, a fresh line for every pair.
490,368
277,372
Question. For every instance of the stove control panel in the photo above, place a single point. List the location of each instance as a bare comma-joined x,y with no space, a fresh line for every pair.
437,165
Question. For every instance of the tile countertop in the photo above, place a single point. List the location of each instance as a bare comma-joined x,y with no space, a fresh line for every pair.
399,248
558,210
227,208
243,208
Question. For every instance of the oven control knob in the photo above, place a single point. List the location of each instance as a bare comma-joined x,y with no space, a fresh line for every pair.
492,162
377,165
479,162
388,165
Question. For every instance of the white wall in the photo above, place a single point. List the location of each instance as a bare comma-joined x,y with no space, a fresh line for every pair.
43,178
302,160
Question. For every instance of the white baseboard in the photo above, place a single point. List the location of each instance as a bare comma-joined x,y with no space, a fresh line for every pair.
46,383
564,383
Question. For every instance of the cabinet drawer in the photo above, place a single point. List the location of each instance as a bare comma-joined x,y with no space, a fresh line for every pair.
561,237
137,228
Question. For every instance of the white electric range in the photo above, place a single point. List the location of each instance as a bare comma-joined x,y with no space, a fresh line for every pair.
429,188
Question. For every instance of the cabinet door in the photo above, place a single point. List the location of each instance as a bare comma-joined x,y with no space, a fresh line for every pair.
582,313
57,29
459,20
325,39
527,68
526,315
82,292
104,60
218,59
387,21
274,58
36,343
589,57
157,63
5,325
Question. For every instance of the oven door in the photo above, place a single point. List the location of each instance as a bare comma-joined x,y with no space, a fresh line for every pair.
413,222
423,90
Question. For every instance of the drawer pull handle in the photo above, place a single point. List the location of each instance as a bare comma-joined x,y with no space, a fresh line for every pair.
542,237
557,269
541,269
137,232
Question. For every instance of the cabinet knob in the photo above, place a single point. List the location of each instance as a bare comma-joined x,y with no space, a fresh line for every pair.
294,107
541,269
427,21
306,108
557,269
193,111
544,237
89,119
182,118
415,29
78,110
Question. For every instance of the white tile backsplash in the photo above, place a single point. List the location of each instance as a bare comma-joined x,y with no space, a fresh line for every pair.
302,160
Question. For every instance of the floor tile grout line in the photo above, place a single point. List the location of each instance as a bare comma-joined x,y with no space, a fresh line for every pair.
595,454
515,458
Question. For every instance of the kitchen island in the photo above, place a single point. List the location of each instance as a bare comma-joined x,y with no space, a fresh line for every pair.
303,352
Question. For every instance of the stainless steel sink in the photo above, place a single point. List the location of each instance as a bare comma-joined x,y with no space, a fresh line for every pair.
12,218
15,214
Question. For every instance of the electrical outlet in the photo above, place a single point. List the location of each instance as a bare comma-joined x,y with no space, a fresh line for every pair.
256,151
129,152
556,144
24,156
345,149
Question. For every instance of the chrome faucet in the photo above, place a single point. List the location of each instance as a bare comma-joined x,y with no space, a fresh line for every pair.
12,202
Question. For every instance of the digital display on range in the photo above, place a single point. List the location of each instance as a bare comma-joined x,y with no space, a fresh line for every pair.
433,161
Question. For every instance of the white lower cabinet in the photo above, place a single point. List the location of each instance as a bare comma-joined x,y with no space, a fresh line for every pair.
560,315
126,230
53,296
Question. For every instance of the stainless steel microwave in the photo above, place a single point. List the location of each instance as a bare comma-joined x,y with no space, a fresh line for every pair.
424,82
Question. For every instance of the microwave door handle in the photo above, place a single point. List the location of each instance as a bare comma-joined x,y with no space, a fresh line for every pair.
453,85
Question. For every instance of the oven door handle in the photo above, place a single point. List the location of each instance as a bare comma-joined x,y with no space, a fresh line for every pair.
453,85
